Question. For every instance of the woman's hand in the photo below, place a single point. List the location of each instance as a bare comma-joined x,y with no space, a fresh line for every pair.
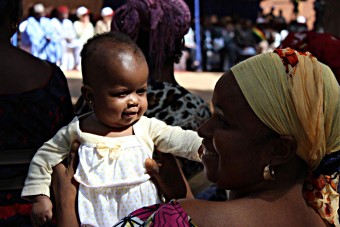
167,175
65,189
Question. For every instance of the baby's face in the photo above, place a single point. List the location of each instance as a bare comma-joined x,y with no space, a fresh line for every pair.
119,93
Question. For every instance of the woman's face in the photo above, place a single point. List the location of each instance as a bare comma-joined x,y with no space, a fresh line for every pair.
234,139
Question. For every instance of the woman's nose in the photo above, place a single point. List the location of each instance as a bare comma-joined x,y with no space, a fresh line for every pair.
206,129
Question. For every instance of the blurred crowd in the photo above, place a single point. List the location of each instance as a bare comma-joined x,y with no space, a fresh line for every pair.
228,40
58,34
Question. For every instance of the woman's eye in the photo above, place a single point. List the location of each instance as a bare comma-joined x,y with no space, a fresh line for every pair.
223,121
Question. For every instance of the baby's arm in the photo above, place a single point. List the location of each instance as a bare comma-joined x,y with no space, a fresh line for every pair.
37,184
175,140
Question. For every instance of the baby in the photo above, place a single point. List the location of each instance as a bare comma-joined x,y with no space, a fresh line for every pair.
115,138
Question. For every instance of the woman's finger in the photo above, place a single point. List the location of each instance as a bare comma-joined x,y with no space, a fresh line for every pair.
168,176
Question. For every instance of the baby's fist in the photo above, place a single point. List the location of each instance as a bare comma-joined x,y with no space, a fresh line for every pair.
41,210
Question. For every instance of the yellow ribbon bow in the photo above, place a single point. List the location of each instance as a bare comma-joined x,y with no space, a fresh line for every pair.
103,151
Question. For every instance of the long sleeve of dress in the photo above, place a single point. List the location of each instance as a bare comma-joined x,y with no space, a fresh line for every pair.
173,139
49,155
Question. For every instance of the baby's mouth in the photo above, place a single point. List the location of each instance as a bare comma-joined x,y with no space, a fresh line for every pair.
130,113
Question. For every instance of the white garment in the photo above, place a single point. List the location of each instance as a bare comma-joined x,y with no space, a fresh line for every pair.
112,180
83,31
111,171
71,46
40,38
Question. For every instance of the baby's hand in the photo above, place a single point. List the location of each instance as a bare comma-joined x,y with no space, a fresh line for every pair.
41,210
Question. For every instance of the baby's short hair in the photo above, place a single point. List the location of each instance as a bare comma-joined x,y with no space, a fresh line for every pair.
107,45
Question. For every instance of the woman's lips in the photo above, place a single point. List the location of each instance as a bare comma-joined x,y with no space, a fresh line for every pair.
209,153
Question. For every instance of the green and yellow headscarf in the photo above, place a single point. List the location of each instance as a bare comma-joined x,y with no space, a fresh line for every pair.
296,95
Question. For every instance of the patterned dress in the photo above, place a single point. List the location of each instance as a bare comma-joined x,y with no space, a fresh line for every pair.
169,214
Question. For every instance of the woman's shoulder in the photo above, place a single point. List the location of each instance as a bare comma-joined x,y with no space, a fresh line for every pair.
18,74
249,211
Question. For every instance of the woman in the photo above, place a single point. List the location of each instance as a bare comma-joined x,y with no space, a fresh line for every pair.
34,103
273,141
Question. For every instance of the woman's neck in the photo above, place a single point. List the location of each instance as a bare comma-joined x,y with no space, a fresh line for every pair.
267,190
287,176
166,74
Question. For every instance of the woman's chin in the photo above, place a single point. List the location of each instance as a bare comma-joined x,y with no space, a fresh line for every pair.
210,174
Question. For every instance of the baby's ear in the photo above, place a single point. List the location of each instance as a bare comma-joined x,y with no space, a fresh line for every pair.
284,150
87,93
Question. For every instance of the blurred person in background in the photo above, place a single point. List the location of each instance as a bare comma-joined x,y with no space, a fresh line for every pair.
71,46
83,26
104,25
39,36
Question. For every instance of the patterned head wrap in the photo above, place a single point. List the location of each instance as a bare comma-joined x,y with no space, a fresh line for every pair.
165,20
294,94
310,41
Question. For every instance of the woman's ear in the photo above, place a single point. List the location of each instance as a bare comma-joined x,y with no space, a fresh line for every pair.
284,150
87,93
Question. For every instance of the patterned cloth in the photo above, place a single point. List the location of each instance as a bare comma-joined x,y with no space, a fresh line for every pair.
27,120
324,46
294,94
176,106
170,214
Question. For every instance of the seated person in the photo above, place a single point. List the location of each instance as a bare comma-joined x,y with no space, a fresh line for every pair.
71,46
34,103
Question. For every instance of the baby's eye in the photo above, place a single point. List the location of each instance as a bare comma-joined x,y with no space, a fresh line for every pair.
120,94
141,91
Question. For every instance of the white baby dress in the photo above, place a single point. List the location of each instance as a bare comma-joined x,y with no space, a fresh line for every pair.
113,180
